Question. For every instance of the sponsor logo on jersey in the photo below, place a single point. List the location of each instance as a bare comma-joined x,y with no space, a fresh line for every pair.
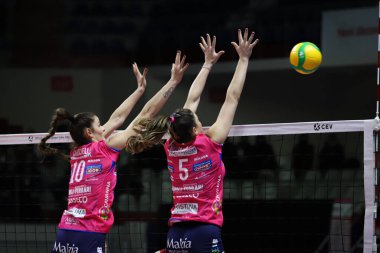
200,158
93,169
217,206
89,179
206,165
81,200
104,213
217,203
81,153
94,161
187,151
71,220
80,190
188,187
182,208
76,212
170,168
194,195
105,210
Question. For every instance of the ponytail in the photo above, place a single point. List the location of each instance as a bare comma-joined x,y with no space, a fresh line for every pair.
182,124
149,132
60,115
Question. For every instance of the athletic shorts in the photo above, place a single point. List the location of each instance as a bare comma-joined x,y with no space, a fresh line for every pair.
194,237
79,241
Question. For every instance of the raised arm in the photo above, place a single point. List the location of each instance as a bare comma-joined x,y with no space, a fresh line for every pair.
220,129
211,57
154,105
121,113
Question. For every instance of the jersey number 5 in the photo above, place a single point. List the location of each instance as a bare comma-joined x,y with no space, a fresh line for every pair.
184,172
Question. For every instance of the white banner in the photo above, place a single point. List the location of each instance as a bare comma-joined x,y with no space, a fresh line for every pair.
350,37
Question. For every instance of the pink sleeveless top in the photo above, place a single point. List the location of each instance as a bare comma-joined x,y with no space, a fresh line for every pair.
91,188
197,172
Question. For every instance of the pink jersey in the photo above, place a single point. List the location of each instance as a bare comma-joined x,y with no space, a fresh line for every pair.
91,188
196,171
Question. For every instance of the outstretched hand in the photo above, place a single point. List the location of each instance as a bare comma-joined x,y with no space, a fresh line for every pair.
178,67
140,78
208,48
244,49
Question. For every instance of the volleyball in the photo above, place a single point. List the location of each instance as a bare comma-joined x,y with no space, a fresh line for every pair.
305,57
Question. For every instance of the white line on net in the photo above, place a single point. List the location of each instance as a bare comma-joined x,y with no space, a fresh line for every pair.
236,130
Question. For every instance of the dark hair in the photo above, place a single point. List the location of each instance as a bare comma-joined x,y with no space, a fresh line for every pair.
77,124
150,131
181,127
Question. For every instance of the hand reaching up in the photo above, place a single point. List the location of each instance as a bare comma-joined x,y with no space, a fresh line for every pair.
140,78
178,67
208,48
246,44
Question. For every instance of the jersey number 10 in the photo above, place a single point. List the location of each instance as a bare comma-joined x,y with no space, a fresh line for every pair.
77,172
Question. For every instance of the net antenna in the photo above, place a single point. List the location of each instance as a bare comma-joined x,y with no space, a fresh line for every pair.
377,120
376,129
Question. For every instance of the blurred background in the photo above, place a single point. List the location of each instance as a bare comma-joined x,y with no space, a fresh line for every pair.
303,191
78,54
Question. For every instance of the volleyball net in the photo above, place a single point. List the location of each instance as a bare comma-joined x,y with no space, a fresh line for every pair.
289,187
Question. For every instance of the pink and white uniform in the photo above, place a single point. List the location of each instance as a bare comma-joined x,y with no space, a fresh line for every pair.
91,188
197,172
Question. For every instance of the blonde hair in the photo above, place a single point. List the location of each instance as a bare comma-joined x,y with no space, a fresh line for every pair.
149,133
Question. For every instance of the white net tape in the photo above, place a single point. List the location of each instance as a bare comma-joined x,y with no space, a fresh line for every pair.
236,130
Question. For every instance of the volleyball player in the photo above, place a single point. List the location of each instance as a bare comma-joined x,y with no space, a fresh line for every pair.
88,217
194,157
